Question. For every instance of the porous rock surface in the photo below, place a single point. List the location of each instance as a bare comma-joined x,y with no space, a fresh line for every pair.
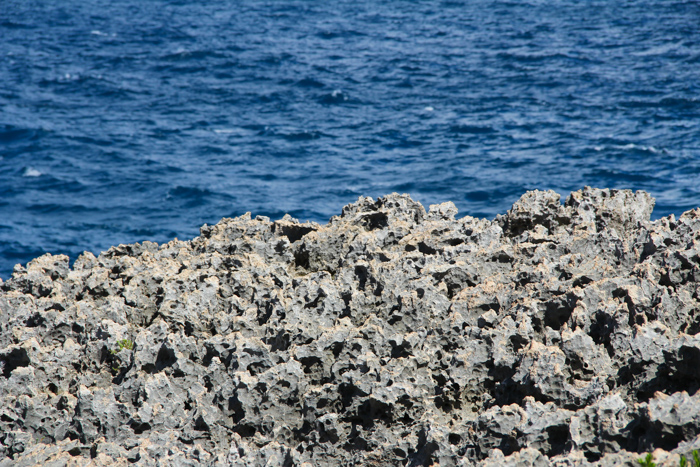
552,335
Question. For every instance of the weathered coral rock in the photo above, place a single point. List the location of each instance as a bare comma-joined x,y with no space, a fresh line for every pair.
557,334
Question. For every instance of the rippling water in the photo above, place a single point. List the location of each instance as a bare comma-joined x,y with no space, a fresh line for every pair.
141,120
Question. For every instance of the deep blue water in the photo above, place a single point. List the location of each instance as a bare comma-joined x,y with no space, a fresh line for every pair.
141,120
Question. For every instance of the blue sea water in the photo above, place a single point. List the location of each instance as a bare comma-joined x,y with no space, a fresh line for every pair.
141,120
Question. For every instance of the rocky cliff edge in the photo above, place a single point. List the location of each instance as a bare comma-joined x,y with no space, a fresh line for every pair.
556,334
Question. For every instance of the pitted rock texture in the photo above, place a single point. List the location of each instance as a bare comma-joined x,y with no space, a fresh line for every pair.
556,334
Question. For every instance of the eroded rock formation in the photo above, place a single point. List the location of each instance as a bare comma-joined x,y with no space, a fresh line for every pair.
554,334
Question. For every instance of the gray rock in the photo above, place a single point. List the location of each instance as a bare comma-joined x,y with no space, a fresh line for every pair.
557,334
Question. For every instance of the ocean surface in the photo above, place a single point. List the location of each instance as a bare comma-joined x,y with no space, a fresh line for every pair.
142,120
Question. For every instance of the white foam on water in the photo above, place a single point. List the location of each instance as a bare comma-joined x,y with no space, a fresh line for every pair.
31,172
662,49
632,146
338,94
233,131
428,109
651,149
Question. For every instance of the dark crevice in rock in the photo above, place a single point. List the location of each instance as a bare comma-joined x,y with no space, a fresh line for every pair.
294,232
16,358
374,221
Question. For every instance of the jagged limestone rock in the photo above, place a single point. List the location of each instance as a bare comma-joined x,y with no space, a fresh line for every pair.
557,334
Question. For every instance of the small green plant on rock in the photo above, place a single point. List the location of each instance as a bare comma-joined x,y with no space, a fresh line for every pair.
123,344
696,460
648,461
